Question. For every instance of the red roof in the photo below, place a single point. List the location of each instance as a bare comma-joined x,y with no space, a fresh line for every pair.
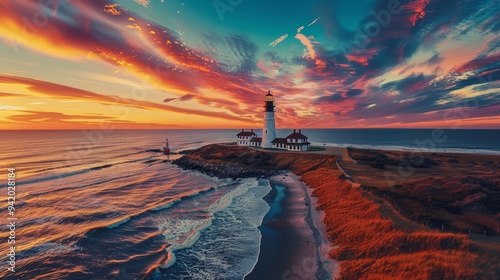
296,135
256,139
246,133
279,141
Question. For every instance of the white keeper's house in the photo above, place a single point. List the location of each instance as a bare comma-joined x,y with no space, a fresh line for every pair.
296,141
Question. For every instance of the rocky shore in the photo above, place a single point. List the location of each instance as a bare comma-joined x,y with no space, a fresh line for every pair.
228,161
222,170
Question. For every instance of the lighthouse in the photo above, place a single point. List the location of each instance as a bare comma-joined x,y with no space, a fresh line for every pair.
269,129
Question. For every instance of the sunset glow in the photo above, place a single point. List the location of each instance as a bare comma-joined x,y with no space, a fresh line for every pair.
194,64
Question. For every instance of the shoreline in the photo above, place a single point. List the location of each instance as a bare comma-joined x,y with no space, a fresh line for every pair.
362,227
291,244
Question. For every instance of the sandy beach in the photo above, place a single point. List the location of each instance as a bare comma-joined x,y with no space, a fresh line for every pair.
294,246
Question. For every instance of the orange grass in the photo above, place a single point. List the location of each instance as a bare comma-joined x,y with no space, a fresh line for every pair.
369,247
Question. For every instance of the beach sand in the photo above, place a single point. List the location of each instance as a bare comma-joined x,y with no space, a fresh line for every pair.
294,244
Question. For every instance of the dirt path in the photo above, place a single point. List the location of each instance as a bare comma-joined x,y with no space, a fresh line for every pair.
369,176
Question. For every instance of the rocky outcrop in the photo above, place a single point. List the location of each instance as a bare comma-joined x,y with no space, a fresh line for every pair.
231,161
223,170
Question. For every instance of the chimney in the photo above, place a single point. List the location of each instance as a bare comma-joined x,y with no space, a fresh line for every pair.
251,130
242,130
299,130
294,131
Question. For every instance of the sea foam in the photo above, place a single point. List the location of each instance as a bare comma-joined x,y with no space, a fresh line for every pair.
223,243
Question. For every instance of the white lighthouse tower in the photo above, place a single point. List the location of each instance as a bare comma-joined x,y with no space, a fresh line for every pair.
269,129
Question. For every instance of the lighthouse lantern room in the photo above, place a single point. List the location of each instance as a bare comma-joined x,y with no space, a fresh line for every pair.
269,129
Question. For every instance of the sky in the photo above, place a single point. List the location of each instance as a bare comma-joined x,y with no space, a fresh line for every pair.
103,64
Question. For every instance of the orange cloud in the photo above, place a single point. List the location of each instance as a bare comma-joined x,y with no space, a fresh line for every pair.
60,91
307,43
112,9
56,120
152,52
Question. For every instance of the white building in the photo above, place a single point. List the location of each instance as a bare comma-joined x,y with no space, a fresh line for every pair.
243,138
293,142
296,141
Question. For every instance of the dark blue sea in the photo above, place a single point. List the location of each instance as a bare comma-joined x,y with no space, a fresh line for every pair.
106,205
477,141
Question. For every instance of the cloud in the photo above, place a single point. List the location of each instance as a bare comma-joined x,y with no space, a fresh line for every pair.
279,40
112,9
10,108
182,98
423,60
152,52
60,91
313,22
27,119
6,94
144,3
34,116
307,43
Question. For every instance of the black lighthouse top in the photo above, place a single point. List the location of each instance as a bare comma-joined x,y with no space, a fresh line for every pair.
269,103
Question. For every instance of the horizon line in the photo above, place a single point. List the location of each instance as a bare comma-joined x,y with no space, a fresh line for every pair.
316,128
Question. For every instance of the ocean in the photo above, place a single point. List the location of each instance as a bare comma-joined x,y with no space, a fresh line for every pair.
106,205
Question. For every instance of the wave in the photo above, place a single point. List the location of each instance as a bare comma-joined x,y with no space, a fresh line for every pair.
266,184
125,219
120,222
52,177
204,247
63,175
80,186
101,167
74,173
185,235
47,248
178,200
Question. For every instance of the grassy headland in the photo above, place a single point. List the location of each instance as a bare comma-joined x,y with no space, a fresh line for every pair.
454,192
369,245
